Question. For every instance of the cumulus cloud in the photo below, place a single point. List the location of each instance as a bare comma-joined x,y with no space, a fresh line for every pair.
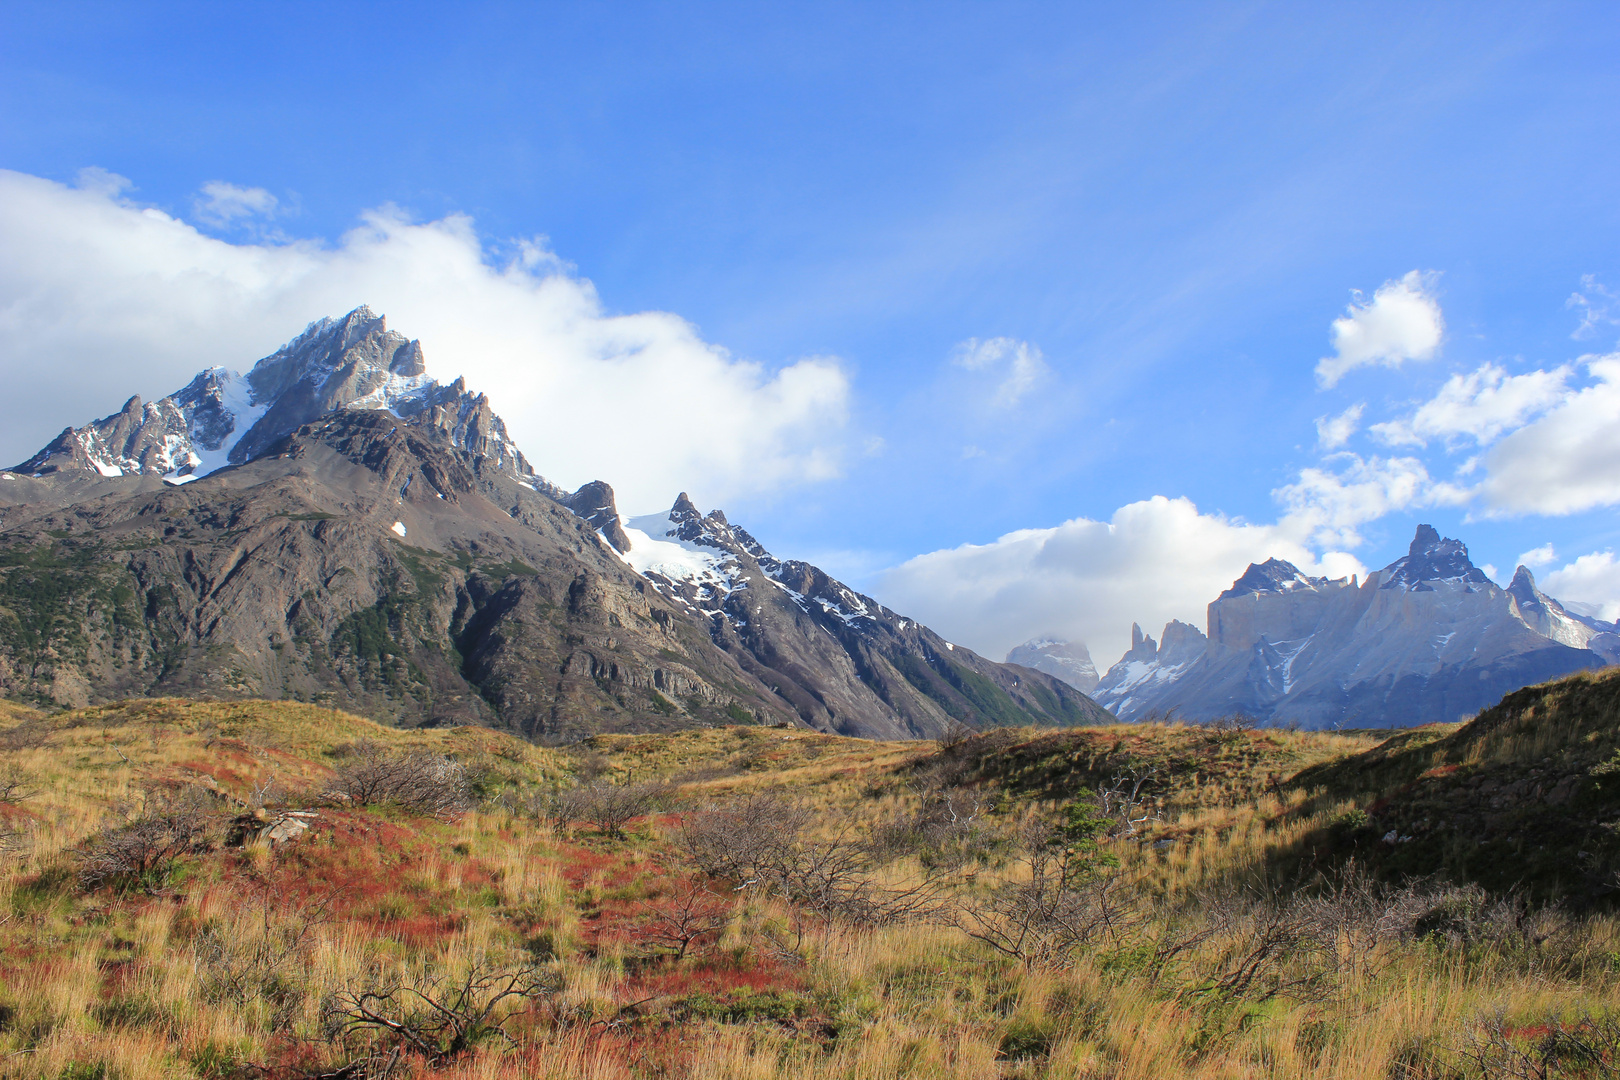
1540,556
1017,365
1155,560
100,298
1329,503
1590,584
1569,459
1401,322
1479,406
222,204
1333,432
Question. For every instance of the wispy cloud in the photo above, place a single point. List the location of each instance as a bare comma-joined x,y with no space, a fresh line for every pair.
1597,306
1017,364
222,204
1478,406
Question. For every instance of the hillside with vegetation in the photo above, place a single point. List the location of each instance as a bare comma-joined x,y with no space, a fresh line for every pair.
274,889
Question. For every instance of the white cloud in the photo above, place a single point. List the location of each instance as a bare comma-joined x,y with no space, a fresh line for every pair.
1591,582
1018,364
1333,432
100,298
1401,322
1597,305
1478,406
1328,506
1569,459
1156,560
221,203
1540,556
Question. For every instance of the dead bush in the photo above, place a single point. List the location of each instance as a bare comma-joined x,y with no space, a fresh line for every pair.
1588,1046
1127,801
257,959
948,831
765,842
16,784
608,806
697,916
418,781
440,1017
1060,905
138,844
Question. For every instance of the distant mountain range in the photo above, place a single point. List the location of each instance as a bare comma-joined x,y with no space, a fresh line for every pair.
1427,638
337,526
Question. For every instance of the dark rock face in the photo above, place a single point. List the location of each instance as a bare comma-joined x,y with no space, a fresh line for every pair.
336,526
1428,638
289,577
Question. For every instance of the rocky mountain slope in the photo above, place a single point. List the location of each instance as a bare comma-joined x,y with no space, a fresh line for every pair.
1429,638
336,526
844,661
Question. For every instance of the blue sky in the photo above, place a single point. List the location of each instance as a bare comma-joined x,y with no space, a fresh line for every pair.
1165,206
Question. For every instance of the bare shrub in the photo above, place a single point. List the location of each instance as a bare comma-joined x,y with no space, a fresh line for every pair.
421,782
1126,800
1264,943
139,844
1229,730
610,807
764,842
949,830
1586,1046
696,916
441,1017
1063,903
954,736
256,958
16,784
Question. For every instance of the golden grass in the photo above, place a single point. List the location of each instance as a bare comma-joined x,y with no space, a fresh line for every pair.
128,983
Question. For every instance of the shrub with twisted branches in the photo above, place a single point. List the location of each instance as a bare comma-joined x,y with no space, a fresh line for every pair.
141,842
765,842
441,1017
421,782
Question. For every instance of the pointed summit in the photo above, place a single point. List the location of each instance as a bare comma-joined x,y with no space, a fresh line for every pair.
1432,558
1272,576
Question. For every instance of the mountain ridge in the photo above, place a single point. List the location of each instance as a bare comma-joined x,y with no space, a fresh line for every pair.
1427,638
336,525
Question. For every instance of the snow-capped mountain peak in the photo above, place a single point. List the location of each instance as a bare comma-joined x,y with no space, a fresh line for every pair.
223,418
1066,660
1432,558
1427,638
